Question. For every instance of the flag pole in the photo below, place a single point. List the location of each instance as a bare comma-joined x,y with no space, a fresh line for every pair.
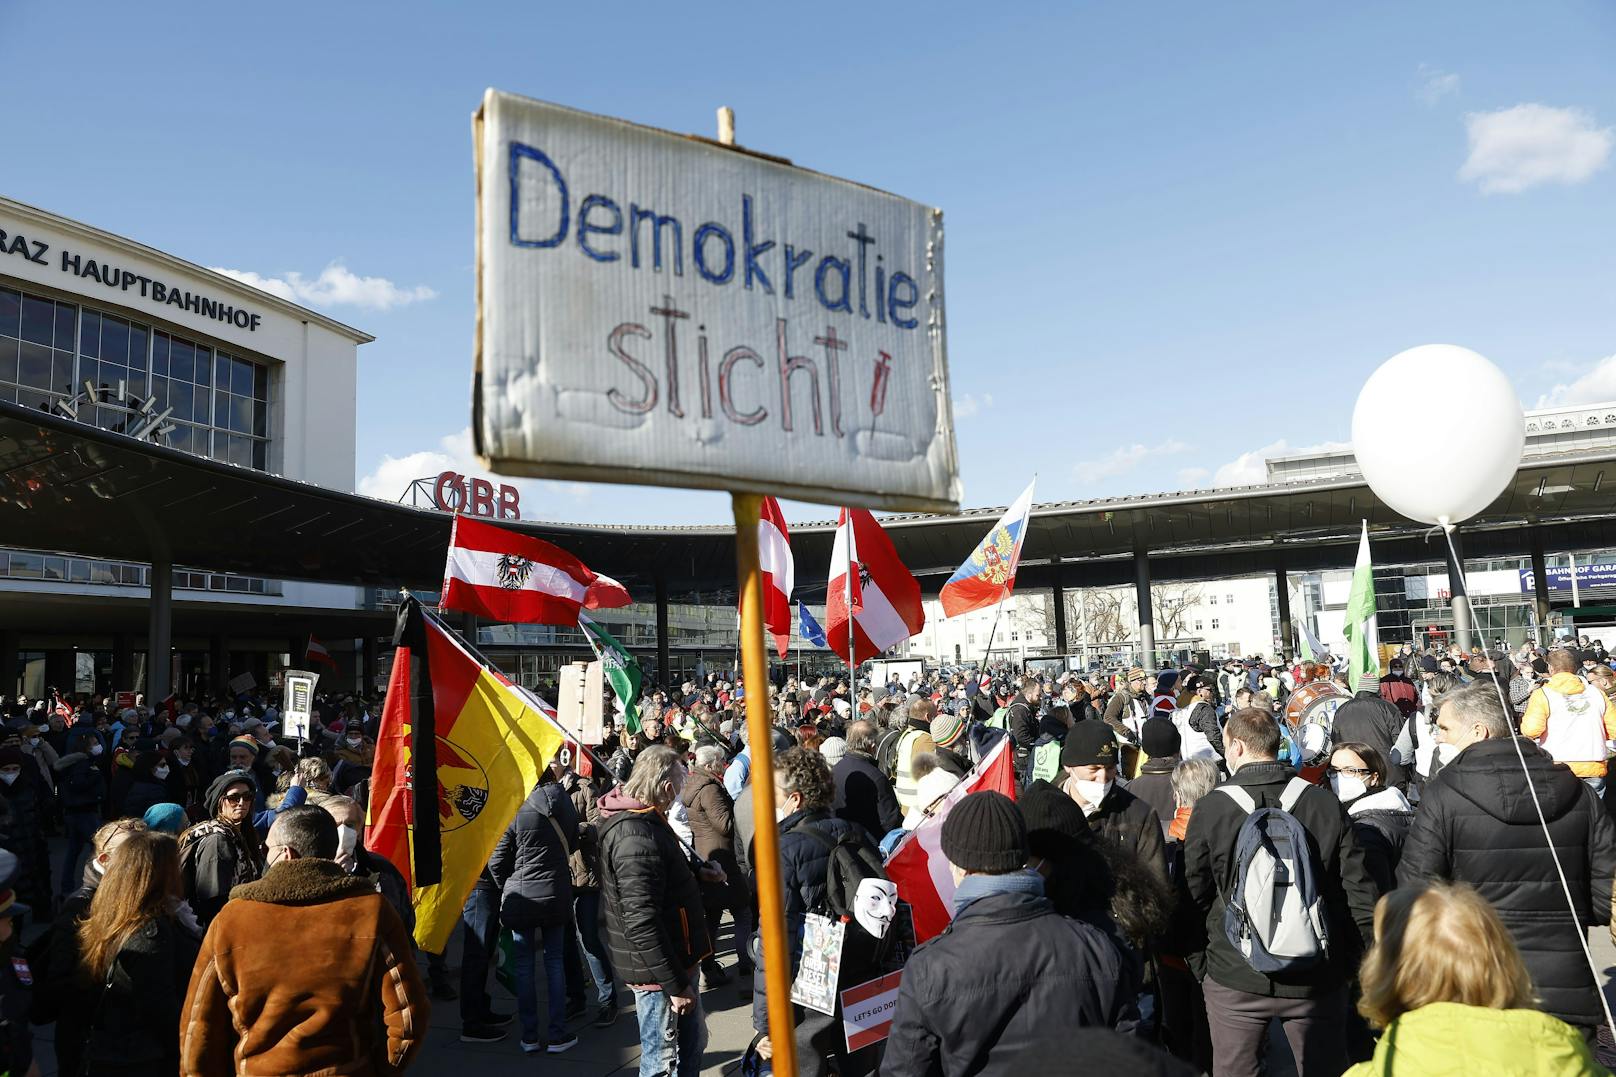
852,622
771,897
987,656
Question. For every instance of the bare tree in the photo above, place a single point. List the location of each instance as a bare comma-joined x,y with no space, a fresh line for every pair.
1109,618
1172,603
1027,615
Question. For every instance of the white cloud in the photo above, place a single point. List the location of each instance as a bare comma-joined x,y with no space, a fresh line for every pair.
1514,149
1122,460
391,478
970,406
336,286
1596,386
1436,84
1189,476
1251,468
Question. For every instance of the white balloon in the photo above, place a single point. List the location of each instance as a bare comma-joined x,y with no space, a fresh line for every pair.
1444,400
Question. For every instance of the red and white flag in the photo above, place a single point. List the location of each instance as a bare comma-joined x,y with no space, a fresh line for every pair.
774,557
918,867
316,652
884,597
519,579
605,594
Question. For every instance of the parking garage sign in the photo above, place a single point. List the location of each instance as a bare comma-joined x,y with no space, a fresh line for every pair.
659,309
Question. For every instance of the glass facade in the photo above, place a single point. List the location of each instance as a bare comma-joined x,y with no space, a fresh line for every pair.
32,565
218,403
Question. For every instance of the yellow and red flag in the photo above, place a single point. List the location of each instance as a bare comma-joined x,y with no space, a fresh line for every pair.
458,751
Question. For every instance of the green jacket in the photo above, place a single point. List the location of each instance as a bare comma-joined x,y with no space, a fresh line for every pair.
1446,1038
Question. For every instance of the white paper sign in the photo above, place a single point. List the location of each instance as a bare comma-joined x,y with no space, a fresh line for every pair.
868,1009
299,702
655,308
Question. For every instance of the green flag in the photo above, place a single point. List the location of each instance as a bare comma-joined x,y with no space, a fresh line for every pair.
1305,638
622,672
1360,627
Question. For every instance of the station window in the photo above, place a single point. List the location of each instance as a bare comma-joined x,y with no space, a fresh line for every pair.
217,402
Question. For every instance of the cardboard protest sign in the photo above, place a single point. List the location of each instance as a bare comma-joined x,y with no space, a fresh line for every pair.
659,309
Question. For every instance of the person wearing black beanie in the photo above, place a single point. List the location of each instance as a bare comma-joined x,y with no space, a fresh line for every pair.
1010,975
1160,740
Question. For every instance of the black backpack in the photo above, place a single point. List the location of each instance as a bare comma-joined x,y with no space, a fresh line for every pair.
850,862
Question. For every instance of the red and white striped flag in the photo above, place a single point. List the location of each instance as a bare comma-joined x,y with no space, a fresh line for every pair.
918,867
316,652
885,596
774,556
519,579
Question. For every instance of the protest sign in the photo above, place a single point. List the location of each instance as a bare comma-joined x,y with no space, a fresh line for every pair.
298,702
868,1008
660,309
821,965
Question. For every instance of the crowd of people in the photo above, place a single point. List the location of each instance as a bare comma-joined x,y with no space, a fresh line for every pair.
1402,880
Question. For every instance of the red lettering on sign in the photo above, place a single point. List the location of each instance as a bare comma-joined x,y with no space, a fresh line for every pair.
452,493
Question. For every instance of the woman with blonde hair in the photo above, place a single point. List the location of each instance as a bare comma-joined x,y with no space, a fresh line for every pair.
134,964
1448,987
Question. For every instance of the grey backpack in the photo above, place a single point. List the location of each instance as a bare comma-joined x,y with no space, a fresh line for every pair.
1274,914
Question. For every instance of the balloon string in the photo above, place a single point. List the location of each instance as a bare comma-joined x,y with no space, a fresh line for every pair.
1581,931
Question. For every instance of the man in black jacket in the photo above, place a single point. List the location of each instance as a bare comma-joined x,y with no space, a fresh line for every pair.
1089,763
1021,719
655,921
1476,824
1311,1004
1370,718
1010,975
863,794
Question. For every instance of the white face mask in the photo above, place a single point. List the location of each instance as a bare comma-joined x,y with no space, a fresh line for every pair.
782,810
354,742
33,742
160,773
1445,753
182,760
1347,787
1092,792
9,776
95,749
185,721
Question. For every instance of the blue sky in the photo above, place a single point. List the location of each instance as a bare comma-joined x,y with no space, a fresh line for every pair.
1179,238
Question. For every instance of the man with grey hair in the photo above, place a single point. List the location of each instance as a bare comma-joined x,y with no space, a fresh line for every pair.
1477,824
655,920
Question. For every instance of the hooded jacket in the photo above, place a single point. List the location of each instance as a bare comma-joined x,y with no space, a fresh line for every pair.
1476,824
530,863
1535,721
1446,1039
306,972
1380,821
655,923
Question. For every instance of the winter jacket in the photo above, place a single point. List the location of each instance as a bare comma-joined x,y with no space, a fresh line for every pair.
1400,693
143,793
306,971
1366,718
654,920
1119,711
1154,786
1348,891
1021,719
711,812
1535,721
585,860
79,782
1476,824
804,860
1446,1039
1380,821
1125,820
1003,978
530,864
137,1030
1203,718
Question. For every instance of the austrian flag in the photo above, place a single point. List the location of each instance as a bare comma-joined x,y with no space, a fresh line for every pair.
514,578
869,590
774,557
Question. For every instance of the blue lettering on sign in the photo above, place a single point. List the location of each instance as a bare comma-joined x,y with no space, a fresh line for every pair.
855,279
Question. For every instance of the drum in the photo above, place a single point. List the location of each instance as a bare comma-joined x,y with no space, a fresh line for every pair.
1309,718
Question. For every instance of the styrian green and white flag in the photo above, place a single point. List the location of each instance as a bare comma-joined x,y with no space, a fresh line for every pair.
1360,627
622,672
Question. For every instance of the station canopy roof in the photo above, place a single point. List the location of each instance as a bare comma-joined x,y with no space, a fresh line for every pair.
72,488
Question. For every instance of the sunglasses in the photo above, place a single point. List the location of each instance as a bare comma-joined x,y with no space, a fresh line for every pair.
236,798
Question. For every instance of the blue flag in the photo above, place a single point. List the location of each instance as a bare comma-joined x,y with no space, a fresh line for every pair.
808,628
